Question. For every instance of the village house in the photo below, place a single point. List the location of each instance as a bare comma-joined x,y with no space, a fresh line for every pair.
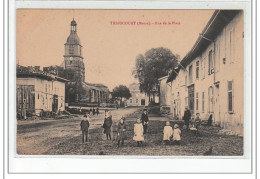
165,92
165,95
38,92
209,79
137,97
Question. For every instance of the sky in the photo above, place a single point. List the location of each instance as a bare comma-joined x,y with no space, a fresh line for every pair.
109,49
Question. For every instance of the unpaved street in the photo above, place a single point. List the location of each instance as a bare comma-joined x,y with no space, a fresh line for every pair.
36,137
63,137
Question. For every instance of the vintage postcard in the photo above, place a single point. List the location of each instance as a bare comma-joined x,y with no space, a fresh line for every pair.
130,82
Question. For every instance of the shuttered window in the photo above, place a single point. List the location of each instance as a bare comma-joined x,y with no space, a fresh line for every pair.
197,69
203,101
230,97
197,101
210,63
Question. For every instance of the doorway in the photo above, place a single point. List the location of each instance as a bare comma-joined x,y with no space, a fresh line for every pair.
142,102
191,98
55,103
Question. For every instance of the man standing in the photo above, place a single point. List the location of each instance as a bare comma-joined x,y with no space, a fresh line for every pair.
186,117
145,119
94,111
84,125
107,125
97,111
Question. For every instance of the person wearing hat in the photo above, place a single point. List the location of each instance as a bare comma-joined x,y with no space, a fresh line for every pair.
97,111
167,133
187,117
107,125
84,125
176,134
145,119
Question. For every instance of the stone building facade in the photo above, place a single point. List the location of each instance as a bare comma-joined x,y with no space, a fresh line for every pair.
137,98
210,78
38,92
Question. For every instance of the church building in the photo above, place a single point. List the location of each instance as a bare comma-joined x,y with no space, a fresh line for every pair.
73,69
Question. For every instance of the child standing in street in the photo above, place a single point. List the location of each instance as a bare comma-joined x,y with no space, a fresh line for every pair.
107,125
167,133
197,123
84,125
138,133
145,120
176,135
121,132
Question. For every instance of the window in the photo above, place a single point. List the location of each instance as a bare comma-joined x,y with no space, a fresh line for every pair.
197,69
232,45
210,97
211,67
136,100
217,56
70,76
71,50
197,101
203,101
130,100
190,74
230,96
46,90
203,68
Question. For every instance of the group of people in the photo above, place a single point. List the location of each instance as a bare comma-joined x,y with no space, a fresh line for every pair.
175,132
94,111
169,133
196,122
141,127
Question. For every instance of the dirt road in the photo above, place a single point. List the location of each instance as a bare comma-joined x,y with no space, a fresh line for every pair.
37,137
63,137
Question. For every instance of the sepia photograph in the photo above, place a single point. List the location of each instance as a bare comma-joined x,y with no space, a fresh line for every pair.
130,82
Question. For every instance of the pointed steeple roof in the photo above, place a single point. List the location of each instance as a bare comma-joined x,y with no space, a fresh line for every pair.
73,38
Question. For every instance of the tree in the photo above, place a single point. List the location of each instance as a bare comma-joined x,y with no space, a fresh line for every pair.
154,64
121,92
74,92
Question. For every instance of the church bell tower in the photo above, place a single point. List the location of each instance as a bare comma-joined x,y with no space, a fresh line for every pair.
73,60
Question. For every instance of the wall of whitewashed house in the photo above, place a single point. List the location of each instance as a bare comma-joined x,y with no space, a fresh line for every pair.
221,85
44,91
165,92
179,95
137,98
